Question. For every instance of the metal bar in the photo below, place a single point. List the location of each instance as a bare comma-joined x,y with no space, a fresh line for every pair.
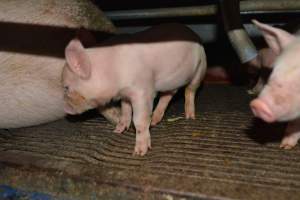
161,12
246,7
239,39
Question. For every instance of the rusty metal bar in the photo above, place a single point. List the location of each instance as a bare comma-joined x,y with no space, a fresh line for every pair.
246,7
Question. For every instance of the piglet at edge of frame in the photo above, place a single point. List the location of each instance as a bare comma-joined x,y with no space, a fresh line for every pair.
280,98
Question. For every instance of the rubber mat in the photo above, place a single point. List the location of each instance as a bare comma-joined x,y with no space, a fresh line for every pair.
224,154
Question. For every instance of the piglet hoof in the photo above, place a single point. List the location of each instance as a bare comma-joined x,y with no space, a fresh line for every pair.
288,143
121,127
141,147
156,118
154,123
189,111
252,92
256,89
190,115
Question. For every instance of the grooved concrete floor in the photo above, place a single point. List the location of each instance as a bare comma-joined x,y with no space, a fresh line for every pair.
224,154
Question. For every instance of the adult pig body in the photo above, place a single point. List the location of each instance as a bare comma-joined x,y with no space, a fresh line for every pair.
30,93
33,38
134,68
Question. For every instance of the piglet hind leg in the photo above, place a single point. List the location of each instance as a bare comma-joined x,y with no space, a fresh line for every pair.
142,107
161,107
111,113
189,105
191,89
125,119
292,135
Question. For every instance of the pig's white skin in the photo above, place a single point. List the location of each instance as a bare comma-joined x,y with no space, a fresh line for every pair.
30,85
31,90
31,94
135,72
279,99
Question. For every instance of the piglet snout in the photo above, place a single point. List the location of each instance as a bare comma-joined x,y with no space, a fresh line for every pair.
261,110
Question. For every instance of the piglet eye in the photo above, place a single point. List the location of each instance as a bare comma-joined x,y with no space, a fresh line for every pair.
66,89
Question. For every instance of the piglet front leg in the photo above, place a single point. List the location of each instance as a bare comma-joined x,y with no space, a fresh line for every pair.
142,104
292,135
125,119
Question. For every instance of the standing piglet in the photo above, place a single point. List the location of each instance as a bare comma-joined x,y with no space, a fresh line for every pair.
134,68
280,98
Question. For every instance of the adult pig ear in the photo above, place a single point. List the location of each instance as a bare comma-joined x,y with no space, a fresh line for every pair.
276,38
77,59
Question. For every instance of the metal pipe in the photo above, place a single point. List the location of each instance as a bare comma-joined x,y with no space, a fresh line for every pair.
161,12
246,7
241,42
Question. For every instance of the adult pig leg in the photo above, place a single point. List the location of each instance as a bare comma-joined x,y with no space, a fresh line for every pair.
161,107
125,119
142,103
292,135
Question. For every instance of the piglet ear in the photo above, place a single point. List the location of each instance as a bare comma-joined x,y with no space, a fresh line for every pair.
276,38
77,59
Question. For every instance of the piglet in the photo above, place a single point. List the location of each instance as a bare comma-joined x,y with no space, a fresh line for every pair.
280,97
133,68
